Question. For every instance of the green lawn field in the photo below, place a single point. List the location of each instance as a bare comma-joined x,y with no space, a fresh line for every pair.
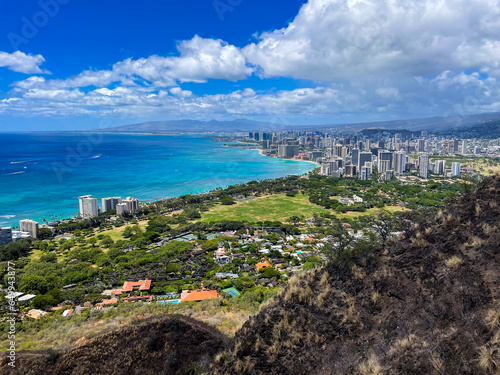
277,207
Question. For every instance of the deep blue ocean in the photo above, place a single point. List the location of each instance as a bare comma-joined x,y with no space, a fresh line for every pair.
42,174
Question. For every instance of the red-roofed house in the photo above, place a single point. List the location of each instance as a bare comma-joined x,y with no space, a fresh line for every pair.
263,264
133,286
198,295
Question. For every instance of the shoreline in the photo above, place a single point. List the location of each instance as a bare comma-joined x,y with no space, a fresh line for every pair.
276,157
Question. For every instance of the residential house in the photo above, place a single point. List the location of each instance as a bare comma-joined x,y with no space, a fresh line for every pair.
35,314
263,264
133,286
198,295
222,260
223,275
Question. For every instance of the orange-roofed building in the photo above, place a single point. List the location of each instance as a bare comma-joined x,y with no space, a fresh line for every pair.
263,264
310,239
133,286
35,314
56,308
198,295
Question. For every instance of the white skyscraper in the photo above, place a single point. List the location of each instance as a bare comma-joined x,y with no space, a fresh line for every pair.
399,162
464,147
424,166
29,226
88,206
455,169
440,166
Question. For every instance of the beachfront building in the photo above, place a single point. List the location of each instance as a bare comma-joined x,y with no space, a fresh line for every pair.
109,204
29,226
5,236
88,207
288,151
132,204
128,205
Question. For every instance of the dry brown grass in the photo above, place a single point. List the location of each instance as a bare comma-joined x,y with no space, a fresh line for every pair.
493,318
358,272
371,367
489,229
489,358
454,262
375,297
320,300
324,279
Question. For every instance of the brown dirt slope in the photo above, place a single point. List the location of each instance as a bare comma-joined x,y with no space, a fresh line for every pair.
170,345
425,303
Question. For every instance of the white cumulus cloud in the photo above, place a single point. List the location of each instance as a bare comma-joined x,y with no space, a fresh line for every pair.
341,39
22,63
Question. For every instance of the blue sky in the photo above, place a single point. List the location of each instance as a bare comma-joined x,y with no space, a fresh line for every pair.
70,64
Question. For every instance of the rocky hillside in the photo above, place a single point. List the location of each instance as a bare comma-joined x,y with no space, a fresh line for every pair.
171,345
425,303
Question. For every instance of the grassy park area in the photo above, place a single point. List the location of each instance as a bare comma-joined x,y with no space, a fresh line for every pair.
277,207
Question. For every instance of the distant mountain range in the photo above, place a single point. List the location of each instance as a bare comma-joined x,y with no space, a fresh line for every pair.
442,124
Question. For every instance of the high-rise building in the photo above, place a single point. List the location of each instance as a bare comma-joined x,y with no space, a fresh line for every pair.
399,162
288,151
132,204
355,156
88,206
455,145
455,169
121,208
364,157
386,155
440,166
109,204
5,236
29,226
464,147
384,166
421,145
365,173
313,155
350,170
423,162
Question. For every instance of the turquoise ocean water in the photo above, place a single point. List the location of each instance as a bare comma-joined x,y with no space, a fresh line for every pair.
42,174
